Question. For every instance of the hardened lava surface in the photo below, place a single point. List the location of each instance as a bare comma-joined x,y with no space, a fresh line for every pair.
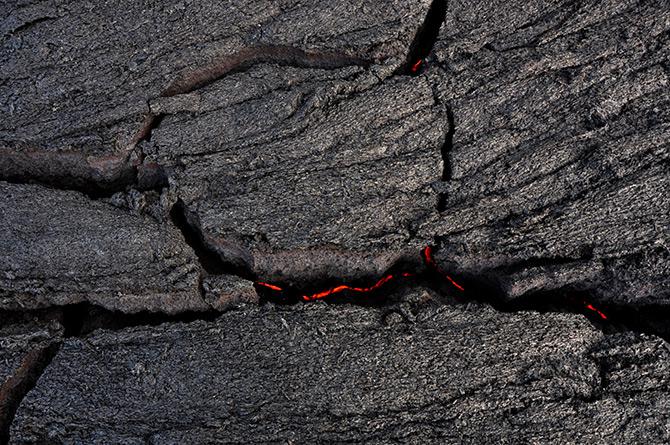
180,180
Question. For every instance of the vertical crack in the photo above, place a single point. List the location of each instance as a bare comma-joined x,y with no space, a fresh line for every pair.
445,151
425,38
13,391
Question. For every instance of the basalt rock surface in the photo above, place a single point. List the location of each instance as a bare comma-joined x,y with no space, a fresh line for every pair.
166,168
558,173
346,374
59,247
77,77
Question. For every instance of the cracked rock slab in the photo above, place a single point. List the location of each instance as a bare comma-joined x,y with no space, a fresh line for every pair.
85,94
26,346
559,172
59,247
306,174
339,373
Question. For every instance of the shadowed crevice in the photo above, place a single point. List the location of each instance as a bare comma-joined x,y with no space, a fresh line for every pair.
211,256
21,383
425,38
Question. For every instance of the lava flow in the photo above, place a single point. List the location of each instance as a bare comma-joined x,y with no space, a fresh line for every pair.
592,308
416,66
269,286
344,287
428,259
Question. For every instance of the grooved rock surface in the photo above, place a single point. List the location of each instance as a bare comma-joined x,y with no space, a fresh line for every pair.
335,374
305,174
76,74
26,345
559,164
59,247
283,142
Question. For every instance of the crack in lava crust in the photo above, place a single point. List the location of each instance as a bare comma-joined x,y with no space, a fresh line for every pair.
429,261
426,254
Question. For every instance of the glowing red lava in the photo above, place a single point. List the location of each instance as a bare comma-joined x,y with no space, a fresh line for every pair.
592,308
344,287
427,254
269,286
430,261
428,258
417,66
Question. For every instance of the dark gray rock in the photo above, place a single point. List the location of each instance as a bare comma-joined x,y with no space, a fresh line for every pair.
304,174
559,173
27,344
289,147
59,247
224,291
334,374
76,77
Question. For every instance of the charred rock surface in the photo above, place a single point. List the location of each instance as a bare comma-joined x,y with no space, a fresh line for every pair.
59,247
162,163
27,345
346,374
301,174
558,166
77,77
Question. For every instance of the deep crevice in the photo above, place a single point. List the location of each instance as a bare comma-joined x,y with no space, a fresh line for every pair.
445,150
15,388
211,259
425,38
466,289
81,319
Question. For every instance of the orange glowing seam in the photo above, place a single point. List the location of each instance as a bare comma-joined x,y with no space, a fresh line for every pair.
428,255
344,287
592,308
417,65
269,286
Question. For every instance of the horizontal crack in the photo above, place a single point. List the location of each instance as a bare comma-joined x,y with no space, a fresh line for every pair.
95,176
248,57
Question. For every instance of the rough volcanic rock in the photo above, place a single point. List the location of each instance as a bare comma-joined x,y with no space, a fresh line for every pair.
59,247
559,173
27,343
76,77
339,374
224,291
302,174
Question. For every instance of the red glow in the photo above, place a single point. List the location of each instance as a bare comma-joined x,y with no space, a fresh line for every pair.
344,287
269,286
417,65
430,261
592,308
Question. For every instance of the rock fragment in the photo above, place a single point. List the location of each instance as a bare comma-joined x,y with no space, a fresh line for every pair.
300,175
339,373
59,247
224,291
558,167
